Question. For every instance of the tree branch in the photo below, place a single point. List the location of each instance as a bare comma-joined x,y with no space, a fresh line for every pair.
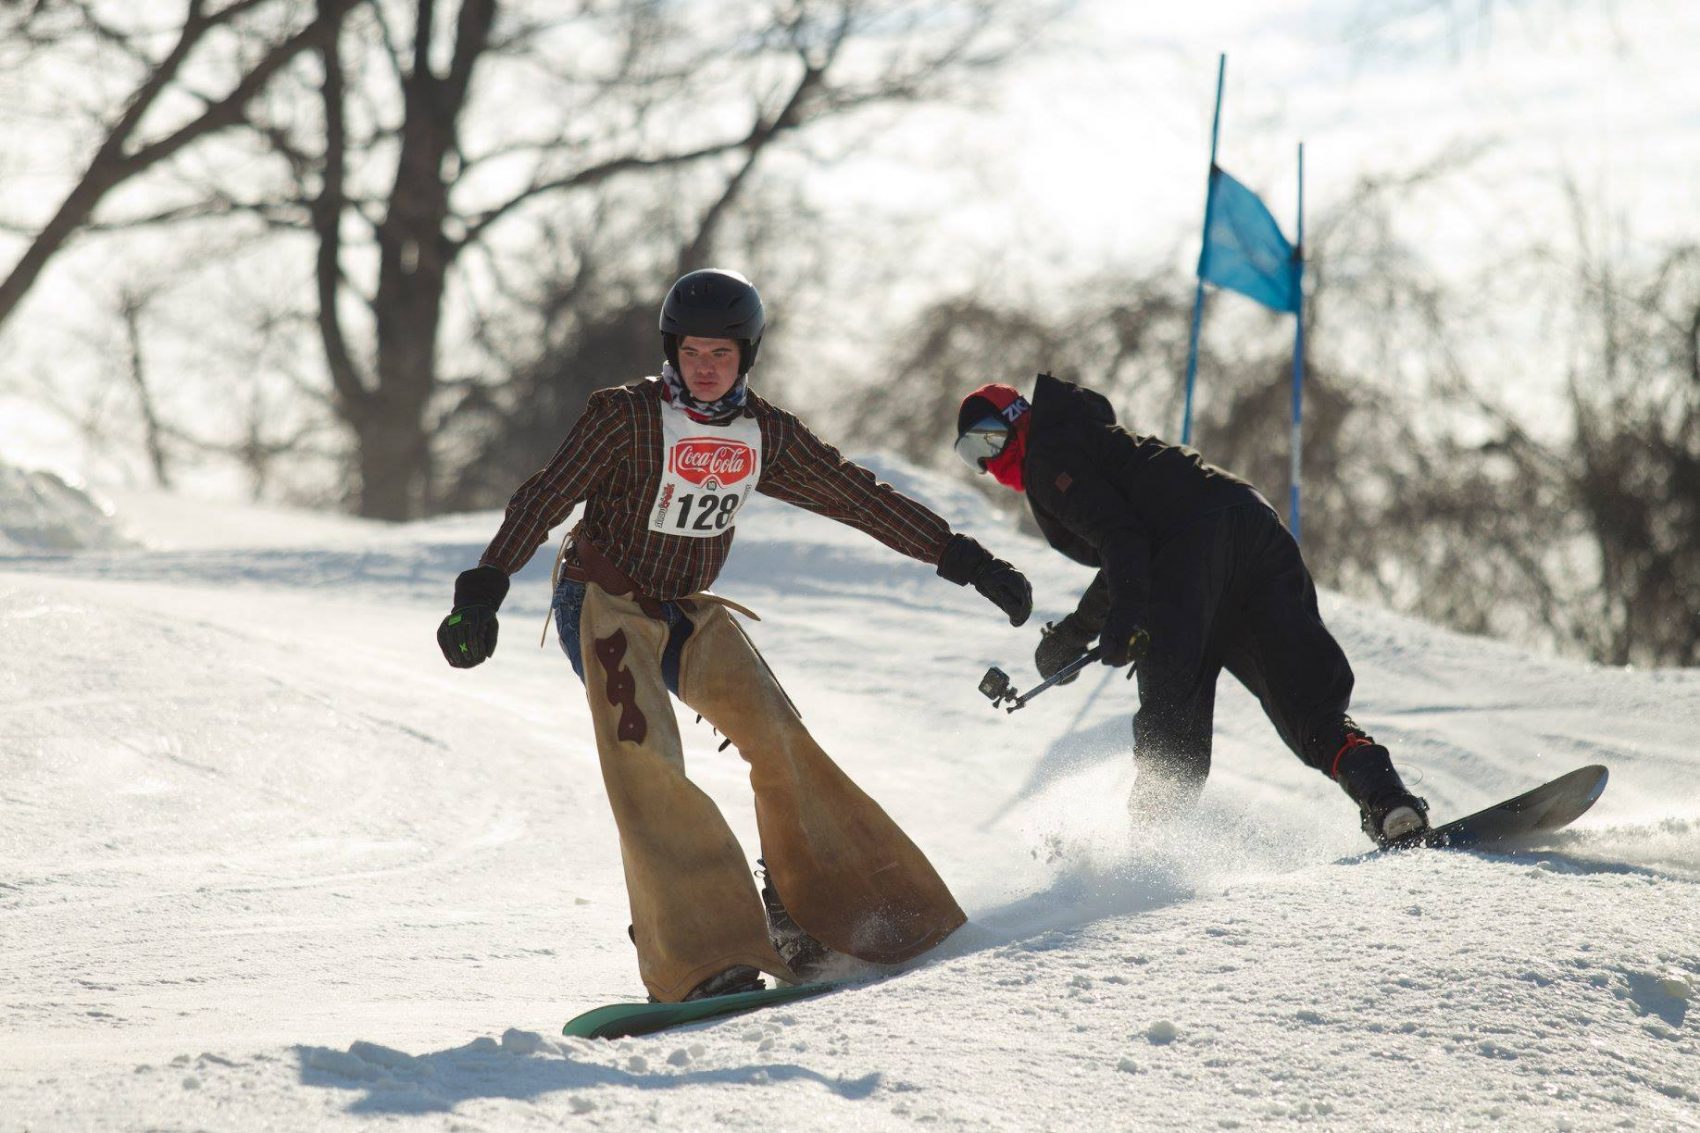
585,178
111,166
229,110
346,378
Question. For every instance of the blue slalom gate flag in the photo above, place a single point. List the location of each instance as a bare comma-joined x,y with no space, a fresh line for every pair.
1244,250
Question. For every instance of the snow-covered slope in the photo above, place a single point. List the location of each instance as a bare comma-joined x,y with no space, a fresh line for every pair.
267,863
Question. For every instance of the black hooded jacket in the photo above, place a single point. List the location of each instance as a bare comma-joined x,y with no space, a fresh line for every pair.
1109,498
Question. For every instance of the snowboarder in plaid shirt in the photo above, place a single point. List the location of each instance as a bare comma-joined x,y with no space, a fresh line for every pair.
664,467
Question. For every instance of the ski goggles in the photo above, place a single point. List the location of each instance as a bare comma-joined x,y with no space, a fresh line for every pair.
981,441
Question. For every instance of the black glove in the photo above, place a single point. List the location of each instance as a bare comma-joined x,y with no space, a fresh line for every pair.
1124,639
1059,645
468,635
965,562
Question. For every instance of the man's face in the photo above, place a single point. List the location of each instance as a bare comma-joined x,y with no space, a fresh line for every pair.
709,366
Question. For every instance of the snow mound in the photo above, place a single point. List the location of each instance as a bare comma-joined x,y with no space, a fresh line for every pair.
39,513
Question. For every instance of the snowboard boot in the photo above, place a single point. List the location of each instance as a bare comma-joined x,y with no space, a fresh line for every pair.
738,978
801,952
1391,814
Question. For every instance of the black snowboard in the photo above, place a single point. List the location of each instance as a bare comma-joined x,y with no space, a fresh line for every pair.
1548,807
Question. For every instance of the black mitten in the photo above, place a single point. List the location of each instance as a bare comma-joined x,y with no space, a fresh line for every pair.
1124,639
1059,646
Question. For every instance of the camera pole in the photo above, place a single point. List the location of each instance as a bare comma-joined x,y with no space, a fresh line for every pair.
995,684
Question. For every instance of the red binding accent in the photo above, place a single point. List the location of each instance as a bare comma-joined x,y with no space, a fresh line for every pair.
1354,740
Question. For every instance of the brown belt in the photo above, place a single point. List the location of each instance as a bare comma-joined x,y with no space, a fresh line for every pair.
594,566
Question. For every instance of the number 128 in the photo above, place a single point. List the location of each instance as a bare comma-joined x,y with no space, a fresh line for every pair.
713,513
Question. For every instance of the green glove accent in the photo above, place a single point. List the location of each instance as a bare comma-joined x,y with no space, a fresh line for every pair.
468,636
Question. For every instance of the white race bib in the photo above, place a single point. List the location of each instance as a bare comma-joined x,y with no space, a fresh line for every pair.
707,473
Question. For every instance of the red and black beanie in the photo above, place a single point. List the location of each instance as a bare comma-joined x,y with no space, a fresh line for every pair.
994,399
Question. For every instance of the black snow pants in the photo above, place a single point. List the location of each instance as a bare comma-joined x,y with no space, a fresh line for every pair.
1231,591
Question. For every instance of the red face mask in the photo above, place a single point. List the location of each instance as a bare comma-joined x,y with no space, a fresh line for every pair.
982,411
1006,466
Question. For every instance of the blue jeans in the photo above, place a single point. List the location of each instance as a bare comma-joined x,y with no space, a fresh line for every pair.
569,607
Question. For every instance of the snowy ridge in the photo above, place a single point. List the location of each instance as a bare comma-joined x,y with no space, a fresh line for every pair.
266,862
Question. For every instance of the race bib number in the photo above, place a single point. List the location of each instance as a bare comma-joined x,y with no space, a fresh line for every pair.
708,472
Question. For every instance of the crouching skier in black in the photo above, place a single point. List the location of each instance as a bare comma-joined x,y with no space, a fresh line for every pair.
1196,573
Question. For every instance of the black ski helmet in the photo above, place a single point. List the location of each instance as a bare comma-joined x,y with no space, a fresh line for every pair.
713,303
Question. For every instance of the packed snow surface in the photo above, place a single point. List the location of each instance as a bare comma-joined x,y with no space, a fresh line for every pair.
266,862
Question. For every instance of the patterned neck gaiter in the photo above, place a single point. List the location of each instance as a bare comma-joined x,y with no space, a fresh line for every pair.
711,413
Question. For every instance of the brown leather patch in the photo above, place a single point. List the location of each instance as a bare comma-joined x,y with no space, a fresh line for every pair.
622,687
1063,481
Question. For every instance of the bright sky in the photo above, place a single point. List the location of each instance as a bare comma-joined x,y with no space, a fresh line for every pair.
1114,137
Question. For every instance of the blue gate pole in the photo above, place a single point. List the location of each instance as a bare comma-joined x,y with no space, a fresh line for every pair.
1298,349
1198,295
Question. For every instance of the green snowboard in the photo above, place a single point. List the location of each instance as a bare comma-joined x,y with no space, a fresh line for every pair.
618,1020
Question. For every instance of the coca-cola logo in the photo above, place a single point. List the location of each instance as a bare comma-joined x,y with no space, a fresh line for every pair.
703,460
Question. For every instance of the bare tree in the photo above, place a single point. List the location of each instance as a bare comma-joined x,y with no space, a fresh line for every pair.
128,150
1123,335
387,408
429,148
132,305
670,134
1634,464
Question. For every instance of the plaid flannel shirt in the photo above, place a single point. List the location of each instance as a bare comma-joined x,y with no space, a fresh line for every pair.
612,460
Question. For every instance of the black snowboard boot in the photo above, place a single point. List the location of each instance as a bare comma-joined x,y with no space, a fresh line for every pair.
801,952
1392,815
739,977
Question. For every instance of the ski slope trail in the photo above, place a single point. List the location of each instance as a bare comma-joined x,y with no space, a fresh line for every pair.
267,863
